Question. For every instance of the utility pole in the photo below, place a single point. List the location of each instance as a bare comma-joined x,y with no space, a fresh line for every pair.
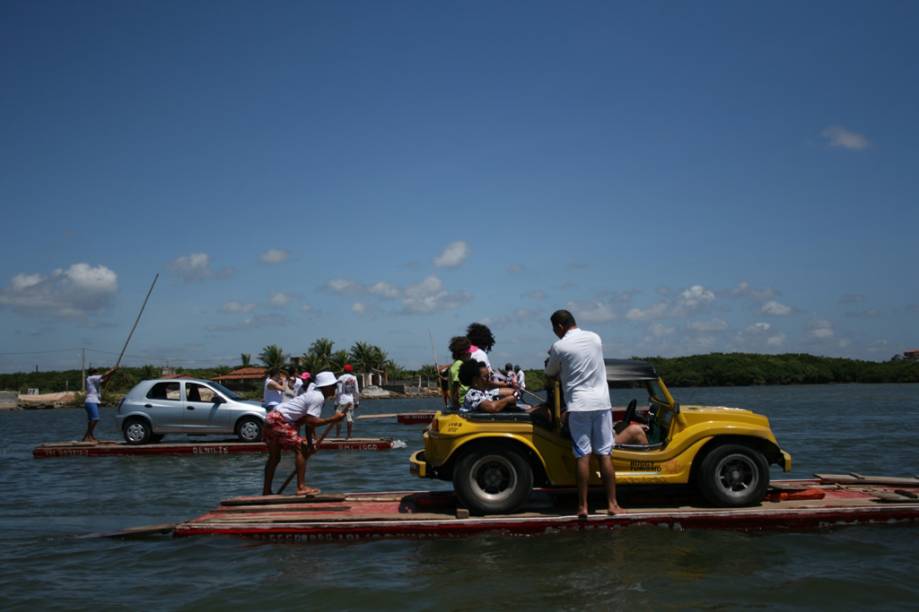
83,369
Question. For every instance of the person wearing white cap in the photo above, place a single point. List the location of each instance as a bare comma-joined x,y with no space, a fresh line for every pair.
282,424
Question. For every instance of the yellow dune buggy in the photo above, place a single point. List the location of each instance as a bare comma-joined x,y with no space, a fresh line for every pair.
495,460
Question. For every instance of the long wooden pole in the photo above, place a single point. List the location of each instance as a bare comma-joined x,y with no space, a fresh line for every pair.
437,370
137,320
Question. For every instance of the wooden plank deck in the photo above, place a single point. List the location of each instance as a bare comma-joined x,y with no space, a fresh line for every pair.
791,504
227,447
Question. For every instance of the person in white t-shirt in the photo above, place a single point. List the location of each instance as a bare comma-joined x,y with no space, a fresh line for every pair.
521,378
273,389
94,384
294,383
282,429
577,359
347,397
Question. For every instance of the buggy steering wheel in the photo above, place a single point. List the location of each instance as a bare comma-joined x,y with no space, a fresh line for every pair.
630,412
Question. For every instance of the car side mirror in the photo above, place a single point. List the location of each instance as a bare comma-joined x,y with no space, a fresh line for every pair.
219,400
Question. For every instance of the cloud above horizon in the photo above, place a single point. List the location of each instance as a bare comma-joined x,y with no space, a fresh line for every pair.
274,256
76,291
196,267
839,137
453,255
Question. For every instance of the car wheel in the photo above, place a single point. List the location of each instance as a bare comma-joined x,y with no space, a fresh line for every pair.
492,480
249,429
137,431
733,475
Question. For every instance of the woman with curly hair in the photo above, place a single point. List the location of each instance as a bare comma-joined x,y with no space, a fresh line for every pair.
482,342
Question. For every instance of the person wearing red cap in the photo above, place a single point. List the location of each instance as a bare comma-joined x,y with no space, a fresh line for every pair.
347,397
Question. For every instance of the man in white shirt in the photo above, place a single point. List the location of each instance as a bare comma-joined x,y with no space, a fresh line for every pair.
347,397
521,378
282,429
577,359
94,384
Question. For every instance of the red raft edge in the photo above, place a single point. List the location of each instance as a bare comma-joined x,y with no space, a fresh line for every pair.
790,520
838,506
121,449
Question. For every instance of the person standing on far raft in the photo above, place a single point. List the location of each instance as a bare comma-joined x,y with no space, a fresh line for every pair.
94,384
521,378
282,424
273,392
577,359
347,397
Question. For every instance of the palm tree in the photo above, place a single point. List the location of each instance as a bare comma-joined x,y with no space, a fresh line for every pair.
246,359
318,357
363,357
338,360
272,356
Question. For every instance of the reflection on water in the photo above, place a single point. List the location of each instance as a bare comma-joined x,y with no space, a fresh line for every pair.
45,503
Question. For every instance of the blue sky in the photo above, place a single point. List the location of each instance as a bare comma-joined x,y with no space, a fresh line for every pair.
685,177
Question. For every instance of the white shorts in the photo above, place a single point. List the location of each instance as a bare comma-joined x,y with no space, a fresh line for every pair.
341,408
591,432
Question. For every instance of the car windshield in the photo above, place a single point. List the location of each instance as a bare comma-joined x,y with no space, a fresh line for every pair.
644,391
224,391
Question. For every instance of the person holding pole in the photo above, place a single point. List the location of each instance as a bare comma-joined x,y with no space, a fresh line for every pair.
577,359
282,424
94,384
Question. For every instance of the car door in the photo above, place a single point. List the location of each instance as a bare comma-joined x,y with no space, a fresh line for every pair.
202,413
163,406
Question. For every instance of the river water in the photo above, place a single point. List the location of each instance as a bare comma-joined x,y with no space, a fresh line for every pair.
45,504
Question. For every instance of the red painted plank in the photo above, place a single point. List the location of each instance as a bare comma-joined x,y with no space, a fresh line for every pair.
114,449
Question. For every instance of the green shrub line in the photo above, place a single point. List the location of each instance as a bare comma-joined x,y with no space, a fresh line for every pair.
712,370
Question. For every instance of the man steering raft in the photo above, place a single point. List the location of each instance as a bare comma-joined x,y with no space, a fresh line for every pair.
282,424
94,384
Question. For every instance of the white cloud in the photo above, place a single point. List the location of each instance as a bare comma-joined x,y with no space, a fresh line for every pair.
385,290
821,330
235,307
72,292
743,289
453,255
838,136
656,311
515,268
775,309
343,286
759,328
197,267
592,311
776,340
358,308
274,256
280,299
696,296
715,325
430,296
307,308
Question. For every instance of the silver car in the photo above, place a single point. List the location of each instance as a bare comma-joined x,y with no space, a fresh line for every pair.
154,408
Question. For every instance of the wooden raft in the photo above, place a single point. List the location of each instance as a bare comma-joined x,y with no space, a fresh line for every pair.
110,449
791,504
